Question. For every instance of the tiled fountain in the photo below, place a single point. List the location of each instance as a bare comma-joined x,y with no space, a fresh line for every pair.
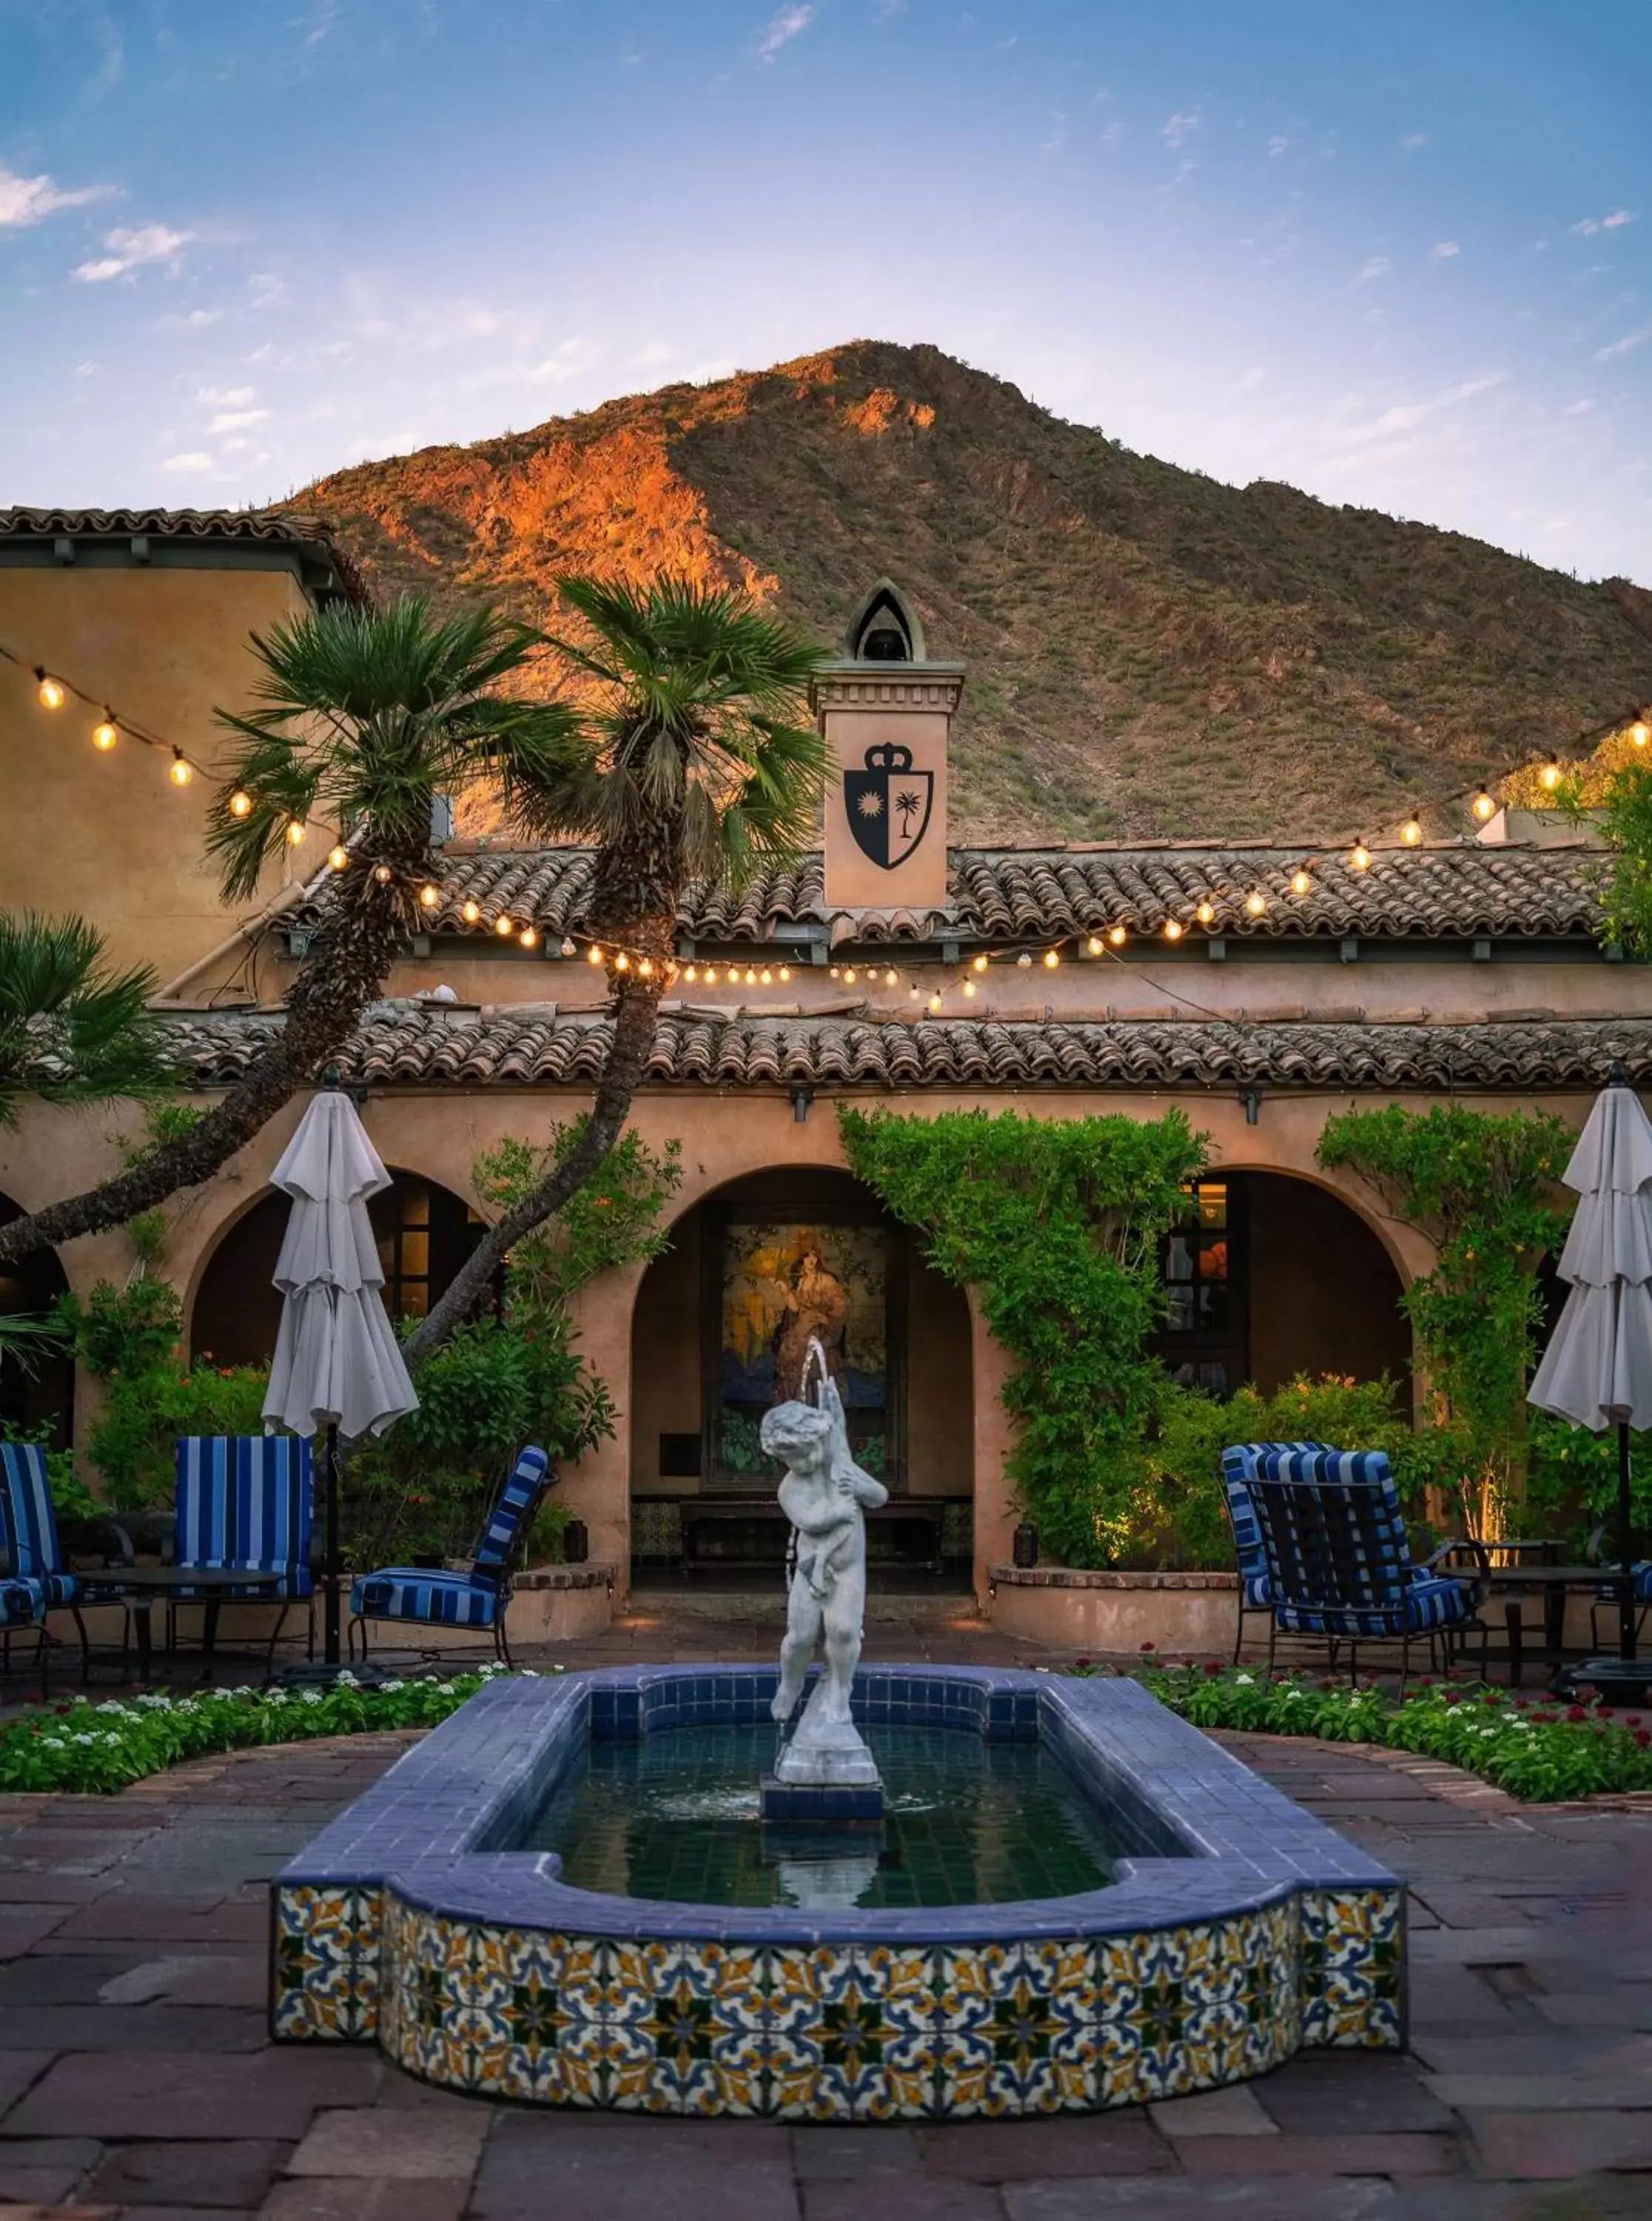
953,1892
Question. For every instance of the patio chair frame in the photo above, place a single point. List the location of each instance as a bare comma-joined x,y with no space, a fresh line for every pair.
1240,1463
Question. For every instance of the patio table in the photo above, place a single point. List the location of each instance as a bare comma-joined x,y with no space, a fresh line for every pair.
1554,1584
186,1584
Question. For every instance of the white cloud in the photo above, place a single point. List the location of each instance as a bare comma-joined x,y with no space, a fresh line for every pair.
1443,250
86,370
1627,345
1408,416
1277,145
1176,128
1577,408
237,420
263,290
784,25
1412,140
227,397
1615,221
30,200
1378,266
129,249
188,466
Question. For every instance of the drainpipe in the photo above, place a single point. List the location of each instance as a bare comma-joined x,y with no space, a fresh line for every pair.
170,996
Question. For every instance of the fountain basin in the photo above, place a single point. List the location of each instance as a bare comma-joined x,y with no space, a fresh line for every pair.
1235,1929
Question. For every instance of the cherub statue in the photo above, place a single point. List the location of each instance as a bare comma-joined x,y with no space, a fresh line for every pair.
826,1495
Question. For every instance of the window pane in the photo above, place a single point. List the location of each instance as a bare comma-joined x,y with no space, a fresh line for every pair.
416,1254
1178,1259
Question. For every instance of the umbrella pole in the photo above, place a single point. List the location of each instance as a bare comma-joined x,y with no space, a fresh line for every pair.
331,1652
1625,1551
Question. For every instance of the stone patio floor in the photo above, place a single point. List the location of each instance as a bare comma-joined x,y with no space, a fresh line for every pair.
135,2079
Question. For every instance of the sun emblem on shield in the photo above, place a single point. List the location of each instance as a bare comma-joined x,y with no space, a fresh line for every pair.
888,804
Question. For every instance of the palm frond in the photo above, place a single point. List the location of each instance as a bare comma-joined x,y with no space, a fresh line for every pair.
71,1030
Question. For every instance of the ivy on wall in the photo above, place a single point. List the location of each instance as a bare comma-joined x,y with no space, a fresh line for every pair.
1056,1225
1484,1187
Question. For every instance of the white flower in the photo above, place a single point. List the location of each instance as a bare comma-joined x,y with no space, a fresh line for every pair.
309,1696
1243,1680
54,1743
388,1688
347,1679
83,1738
275,1696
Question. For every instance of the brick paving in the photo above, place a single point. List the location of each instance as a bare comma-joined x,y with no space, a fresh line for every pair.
135,2080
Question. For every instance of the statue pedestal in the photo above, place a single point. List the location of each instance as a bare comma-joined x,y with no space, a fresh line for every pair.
819,1804
825,1775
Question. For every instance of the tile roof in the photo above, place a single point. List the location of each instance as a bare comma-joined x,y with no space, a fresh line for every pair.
164,524
437,1045
1009,895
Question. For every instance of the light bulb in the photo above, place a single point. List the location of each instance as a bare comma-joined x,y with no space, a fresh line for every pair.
568,947
1411,832
1051,958
849,977
889,979
711,975
338,858
914,993
969,988
1359,857
527,938
835,972
1256,902
51,690
1549,776
182,771
978,964
592,955
504,927
750,976
383,874
1117,935
767,977
934,1002
645,969
622,962
1206,913
296,830
1023,963
1094,945
1640,732
471,911
1301,884
786,972
1173,928
690,975
105,734
1483,806
430,895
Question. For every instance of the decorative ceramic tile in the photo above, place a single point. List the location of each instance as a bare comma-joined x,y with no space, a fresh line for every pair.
1352,1962
326,1964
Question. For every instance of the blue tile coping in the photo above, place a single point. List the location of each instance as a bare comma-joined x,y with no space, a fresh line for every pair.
1239,1928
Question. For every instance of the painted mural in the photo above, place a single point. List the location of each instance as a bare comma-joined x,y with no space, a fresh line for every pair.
786,1282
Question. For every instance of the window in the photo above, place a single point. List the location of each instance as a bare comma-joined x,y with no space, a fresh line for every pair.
1203,1340
425,1233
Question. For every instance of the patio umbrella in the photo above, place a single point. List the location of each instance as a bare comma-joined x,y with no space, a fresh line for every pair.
337,1366
1597,1370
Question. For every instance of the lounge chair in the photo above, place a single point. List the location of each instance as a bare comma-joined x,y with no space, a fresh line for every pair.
246,1504
1240,1462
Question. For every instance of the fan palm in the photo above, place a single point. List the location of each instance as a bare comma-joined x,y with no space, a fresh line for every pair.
71,1029
694,759
359,718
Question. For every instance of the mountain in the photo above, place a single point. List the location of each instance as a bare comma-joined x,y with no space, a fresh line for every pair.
1150,654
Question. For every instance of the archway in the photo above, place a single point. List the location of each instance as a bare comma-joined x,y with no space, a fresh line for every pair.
40,1394
1275,1275
718,1331
424,1232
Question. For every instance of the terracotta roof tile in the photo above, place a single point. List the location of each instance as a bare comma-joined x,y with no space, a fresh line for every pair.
430,1045
163,523
1018,895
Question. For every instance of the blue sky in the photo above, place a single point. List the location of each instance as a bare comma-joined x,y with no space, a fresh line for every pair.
1399,254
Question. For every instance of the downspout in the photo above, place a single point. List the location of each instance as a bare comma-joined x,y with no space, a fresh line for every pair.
169,996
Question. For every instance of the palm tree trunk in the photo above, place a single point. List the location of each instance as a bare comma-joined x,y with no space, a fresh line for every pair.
349,960
636,1006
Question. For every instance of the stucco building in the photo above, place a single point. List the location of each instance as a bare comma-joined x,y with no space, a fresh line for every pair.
1260,989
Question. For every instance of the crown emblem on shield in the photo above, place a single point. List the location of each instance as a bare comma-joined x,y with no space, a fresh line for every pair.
888,804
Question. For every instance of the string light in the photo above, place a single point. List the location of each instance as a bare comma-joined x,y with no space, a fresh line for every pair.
471,911
934,1002
645,969
105,734
296,830
969,988
750,976
1172,928
241,803
1549,776
1117,935
1483,806
1206,913
890,978
1051,958
914,990
769,977
383,874
978,964
690,975
1094,945
786,974
1640,732
339,858
182,770
1256,902
51,690
568,946
430,895
1359,857
711,975
1410,833
849,977
1301,882
592,955
836,972
1024,962
622,962
504,927
528,937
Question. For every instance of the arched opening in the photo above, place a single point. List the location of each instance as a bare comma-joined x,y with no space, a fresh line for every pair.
1271,1275
424,1232
718,1332
40,1392
884,629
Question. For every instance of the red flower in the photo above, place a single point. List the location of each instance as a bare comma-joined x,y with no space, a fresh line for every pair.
1576,1712
1212,1665
1149,1646
1642,1737
1632,1720
1081,1661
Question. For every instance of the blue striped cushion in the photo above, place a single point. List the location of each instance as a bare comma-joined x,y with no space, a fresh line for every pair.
26,1497
1240,1462
1431,1600
438,1597
246,1502
1641,1574
20,1604
516,1502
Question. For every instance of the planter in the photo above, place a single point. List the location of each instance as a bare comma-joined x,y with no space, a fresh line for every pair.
1115,1614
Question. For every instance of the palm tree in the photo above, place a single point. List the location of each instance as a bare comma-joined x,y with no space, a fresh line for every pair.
361,718
71,1029
695,761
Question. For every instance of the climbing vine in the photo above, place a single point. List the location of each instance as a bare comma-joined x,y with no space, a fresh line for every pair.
1484,1187
1056,1225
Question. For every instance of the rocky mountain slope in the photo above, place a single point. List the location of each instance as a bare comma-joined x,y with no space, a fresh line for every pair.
1150,654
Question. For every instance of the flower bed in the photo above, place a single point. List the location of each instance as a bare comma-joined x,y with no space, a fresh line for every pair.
1543,1752
86,1747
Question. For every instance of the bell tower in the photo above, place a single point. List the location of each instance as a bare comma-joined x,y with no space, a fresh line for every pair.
886,712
